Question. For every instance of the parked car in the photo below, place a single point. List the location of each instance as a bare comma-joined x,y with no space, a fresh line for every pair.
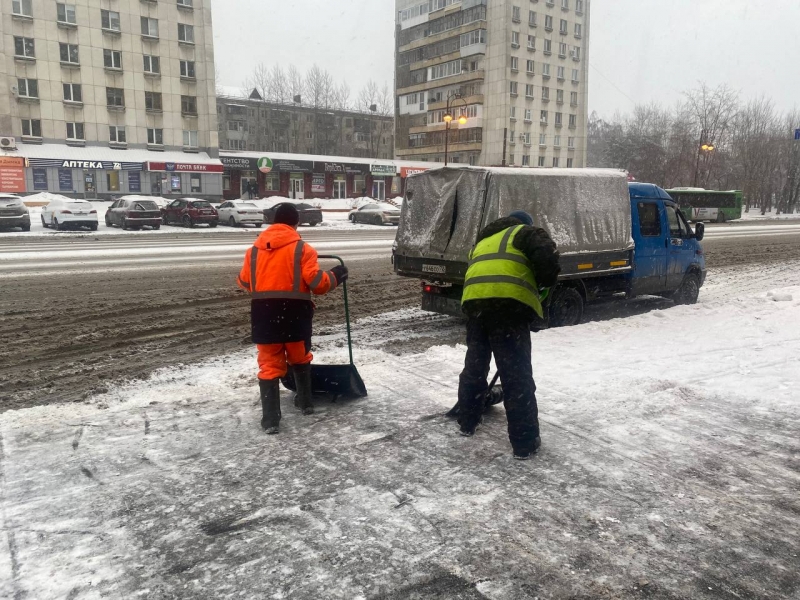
14,213
133,214
240,213
308,214
380,213
67,213
189,212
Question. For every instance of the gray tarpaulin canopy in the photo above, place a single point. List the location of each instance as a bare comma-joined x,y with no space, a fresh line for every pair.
584,210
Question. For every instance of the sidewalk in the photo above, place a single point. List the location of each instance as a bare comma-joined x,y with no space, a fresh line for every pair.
669,470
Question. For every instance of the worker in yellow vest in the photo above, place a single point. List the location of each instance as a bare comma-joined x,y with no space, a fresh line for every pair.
512,264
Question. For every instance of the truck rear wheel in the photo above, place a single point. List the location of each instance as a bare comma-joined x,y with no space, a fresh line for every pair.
566,307
689,291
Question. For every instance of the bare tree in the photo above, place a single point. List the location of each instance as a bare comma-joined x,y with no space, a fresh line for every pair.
367,97
260,81
295,82
280,91
713,111
385,101
315,87
341,97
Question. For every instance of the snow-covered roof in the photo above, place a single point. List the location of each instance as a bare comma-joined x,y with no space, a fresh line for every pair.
104,153
333,159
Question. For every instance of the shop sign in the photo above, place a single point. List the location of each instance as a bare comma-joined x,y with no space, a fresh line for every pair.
318,183
265,164
341,168
107,165
406,171
242,163
40,179
134,182
65,180
184,167
12,174
383,170
292,166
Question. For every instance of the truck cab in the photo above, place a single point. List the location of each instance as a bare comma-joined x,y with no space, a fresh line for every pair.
669,259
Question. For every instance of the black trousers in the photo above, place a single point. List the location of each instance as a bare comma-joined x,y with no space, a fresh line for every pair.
509,339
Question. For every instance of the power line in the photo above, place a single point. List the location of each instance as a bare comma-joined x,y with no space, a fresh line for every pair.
614,85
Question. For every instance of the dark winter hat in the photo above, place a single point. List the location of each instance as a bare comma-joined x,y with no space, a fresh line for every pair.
286,213
521,215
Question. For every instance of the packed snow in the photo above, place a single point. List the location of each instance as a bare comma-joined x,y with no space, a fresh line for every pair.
668,469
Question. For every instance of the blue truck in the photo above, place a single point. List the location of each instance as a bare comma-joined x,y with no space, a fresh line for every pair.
616,239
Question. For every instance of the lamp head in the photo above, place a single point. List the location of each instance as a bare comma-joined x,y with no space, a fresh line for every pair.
462,120
447,117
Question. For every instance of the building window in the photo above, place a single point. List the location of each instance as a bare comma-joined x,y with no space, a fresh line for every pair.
557,141
22,8
541,161
555,161
186,3
515,14
546,70
562,50
530,67
116,134
24,47
515,39
149,27
512,138
563,28
573,98
513,113
513,88
545,94
28,88
543,116
186,33
65,13
571,143
560,96
527,115
559,119
514,63
447,69
526,160
109,20
69,53
272,183
579,6
531,42
565,4
75,131
570,162
112,181
576,53
237,145
187,69
574,75
578,30
31,128
573,121
543,140
73,92
112,59
152,101
115,96
548,47
561,72
526,138
528,90
548,23
155,137
189,105
152,64
511,159
195,183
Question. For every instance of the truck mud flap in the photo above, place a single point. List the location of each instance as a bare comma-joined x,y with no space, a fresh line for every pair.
442,305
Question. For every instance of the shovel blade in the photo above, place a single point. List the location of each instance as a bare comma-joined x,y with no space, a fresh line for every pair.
338,380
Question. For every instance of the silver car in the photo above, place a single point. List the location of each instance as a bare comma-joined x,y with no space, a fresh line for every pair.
378,213
14,213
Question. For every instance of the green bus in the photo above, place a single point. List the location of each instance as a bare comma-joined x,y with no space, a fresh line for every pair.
708,205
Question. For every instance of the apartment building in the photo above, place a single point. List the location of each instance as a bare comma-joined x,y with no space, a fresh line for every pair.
515,70
107,97
257,126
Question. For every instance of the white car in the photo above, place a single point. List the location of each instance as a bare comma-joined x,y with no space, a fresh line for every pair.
66,213
14,213
240,212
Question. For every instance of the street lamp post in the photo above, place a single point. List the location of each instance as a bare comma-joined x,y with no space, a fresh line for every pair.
448,118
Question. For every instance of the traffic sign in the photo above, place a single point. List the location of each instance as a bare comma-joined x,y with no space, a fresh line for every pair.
797,134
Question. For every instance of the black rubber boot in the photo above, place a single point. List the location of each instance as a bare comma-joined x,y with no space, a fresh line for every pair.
270,404
525,454
302,378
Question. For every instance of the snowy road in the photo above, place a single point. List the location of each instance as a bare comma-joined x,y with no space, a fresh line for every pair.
668,471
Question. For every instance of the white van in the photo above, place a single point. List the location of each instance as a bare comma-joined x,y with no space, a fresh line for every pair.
66,213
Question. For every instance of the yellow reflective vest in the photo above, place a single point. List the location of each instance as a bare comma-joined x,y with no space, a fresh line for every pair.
498,270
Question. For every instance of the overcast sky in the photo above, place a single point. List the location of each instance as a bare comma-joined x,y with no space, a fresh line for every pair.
641,50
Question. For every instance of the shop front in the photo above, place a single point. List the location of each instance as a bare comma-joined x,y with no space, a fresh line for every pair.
383,177
90,179
177,179
12,175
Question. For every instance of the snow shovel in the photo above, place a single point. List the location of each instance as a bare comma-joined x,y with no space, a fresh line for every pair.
337,380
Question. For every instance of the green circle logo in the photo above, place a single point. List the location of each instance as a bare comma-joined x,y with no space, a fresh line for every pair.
265,164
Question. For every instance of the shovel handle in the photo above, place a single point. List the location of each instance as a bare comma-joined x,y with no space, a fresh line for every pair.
346,305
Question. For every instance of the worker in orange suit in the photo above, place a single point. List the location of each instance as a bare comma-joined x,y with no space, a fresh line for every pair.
281,273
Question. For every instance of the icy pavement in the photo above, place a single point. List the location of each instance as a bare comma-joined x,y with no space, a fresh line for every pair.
669,469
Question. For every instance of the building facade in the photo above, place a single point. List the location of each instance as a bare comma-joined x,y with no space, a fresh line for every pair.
107,97
517,70
254,125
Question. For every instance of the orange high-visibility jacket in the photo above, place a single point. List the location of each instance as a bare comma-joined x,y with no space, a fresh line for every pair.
281,272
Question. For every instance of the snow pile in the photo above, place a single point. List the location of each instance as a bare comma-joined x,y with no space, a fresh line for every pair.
780,296
670,438
43,198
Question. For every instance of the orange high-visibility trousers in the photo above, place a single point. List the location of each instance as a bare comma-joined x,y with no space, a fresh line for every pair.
273,358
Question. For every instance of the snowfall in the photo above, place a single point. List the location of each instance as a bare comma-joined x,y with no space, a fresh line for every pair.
670,468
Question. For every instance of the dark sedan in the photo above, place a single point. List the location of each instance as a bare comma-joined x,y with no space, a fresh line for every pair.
309,215
134,214
190,212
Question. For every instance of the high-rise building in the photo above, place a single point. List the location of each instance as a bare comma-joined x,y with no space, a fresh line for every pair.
106,97
515,70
